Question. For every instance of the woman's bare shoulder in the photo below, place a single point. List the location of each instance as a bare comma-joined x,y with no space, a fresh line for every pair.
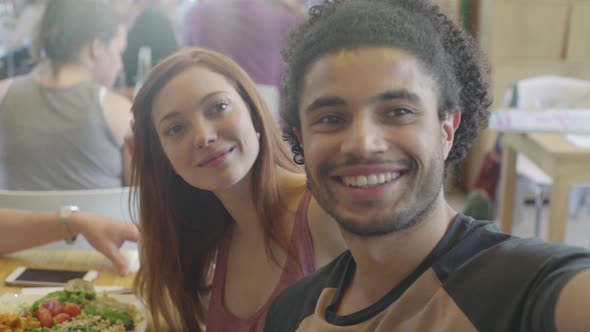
117,111
325,233
116,101
4,85
291,188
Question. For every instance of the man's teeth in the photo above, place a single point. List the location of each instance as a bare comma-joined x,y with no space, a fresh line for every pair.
369,180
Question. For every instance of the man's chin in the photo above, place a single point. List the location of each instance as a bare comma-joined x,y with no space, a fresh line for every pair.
369,229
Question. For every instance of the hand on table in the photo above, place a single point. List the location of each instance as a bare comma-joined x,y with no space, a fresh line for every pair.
106,235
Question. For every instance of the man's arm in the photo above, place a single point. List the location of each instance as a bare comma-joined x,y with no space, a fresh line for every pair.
571,312
20,230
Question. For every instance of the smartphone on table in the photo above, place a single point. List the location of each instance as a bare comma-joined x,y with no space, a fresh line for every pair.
26,277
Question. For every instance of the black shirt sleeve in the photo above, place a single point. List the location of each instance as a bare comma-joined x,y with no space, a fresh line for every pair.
541,304
514,285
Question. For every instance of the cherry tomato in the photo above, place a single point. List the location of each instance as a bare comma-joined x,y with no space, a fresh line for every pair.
45,317
54,306
60,318
49,304
72,309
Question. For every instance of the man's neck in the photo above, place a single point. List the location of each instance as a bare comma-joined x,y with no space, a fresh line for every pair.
383,262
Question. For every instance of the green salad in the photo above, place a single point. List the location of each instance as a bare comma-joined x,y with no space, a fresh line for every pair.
79,308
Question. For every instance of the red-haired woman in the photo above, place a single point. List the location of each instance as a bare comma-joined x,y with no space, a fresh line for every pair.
226,219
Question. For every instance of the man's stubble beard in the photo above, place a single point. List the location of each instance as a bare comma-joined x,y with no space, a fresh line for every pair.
396,221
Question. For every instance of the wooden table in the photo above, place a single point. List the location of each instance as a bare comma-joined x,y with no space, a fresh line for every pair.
563,161
62,259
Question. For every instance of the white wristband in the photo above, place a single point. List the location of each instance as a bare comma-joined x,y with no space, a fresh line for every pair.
64,215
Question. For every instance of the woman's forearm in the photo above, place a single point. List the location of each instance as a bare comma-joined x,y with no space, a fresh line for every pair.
25,229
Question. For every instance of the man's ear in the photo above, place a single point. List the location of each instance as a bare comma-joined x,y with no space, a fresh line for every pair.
94,48
449,127
298,135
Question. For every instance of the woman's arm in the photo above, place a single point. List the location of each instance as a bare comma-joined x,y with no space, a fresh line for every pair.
117,111
4,85
21,229
128,145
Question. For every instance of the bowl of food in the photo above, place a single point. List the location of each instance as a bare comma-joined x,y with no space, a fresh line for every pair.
75,308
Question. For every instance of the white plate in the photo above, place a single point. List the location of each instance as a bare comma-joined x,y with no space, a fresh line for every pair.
13,303
41,291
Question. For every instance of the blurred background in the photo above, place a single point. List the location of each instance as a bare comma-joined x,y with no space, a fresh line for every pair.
528,43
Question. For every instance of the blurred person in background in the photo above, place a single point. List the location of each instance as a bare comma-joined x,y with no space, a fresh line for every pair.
60,126
17,27
21,230
28,14
251,32
151,26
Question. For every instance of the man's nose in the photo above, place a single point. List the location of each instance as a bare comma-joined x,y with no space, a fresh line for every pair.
365,137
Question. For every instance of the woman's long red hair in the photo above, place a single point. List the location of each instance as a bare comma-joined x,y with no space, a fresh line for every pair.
181,226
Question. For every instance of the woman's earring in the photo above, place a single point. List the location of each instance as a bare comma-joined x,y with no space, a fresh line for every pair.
258,135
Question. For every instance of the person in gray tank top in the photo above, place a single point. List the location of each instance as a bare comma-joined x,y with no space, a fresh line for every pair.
60,126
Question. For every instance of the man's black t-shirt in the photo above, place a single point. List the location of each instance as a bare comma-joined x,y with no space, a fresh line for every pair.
476,279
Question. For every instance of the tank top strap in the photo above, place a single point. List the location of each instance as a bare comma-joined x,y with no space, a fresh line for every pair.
219,318
301,238
216,299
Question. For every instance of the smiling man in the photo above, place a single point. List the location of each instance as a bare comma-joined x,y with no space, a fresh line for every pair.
381,96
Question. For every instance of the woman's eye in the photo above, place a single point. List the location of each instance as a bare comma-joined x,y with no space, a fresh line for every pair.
174,130
219,107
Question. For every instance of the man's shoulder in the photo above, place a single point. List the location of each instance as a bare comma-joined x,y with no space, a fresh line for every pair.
533,254
520,278
486,236
299,300
480,242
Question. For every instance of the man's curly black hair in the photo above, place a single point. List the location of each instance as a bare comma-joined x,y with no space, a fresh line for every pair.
417,26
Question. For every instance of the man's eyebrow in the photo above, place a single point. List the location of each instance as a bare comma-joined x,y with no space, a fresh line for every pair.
396,94
325,102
